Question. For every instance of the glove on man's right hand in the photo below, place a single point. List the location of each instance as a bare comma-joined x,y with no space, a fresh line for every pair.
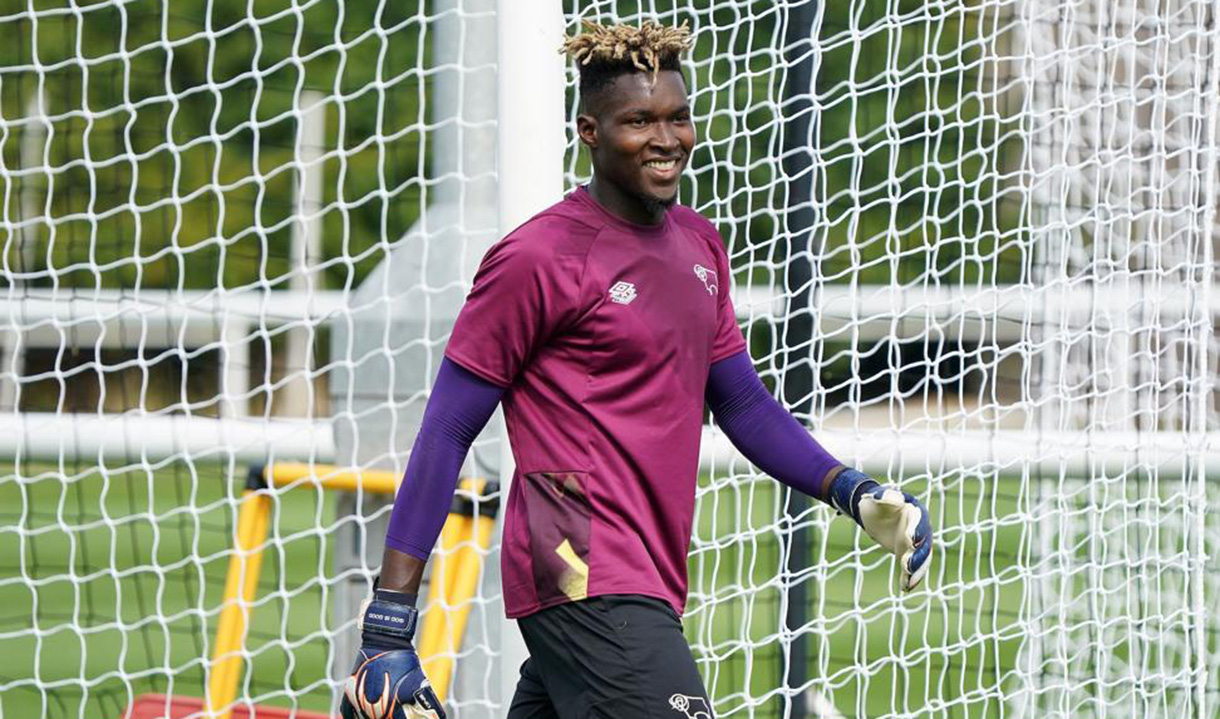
388,681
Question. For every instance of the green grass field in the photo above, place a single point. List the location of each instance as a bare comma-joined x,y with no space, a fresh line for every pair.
122,575
128,572
943,650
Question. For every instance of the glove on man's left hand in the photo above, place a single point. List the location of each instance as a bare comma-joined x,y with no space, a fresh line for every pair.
893,518
388,681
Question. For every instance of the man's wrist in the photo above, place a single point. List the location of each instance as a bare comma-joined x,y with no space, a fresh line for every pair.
389,619
827,480
388,595
846,489
400,571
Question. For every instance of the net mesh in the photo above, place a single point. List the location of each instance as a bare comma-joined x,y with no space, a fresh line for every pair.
972,245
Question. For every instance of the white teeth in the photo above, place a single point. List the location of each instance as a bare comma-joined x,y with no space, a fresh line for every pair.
661,164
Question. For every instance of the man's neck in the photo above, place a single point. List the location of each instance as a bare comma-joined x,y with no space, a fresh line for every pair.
628,207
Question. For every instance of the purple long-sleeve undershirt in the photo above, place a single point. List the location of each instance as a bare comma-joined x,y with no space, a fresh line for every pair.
459,408
766,433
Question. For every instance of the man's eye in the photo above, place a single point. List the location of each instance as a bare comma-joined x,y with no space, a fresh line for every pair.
682,119
638,122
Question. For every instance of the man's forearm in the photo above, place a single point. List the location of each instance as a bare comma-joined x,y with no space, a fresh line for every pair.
772,439
460,405
766,433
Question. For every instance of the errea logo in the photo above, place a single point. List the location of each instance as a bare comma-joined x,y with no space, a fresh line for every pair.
622,293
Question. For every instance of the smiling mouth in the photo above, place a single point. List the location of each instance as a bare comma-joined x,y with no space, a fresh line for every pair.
661,164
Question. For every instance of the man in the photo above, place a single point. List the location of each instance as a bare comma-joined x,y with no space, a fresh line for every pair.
603,325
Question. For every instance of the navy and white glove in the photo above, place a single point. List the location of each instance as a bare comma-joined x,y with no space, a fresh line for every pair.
893,518
388,681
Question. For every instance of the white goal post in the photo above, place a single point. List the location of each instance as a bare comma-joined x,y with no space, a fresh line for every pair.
973,248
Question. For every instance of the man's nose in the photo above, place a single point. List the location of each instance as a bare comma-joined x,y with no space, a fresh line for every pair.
665,136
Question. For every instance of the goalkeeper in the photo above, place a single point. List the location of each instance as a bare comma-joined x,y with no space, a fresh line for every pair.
603,325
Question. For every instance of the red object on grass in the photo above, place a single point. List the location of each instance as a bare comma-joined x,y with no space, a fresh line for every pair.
162,706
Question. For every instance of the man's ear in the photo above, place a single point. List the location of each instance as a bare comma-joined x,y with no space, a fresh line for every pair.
586,130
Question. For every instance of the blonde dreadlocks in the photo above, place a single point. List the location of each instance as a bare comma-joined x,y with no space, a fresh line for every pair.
602,52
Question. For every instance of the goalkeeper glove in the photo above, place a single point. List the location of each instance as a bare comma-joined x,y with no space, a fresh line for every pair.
893,518
388,681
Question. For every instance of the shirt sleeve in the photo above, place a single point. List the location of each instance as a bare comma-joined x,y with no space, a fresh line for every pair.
763,430
460,405
523,293
729,339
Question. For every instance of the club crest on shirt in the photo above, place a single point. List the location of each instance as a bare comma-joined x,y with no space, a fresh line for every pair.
708,277
622,293
692,707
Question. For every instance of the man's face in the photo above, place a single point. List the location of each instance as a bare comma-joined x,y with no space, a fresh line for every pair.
640,135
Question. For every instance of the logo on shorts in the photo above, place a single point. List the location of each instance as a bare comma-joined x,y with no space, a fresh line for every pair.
622,293
692,707
708,277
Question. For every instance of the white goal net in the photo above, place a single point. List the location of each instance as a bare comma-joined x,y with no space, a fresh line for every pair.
973,249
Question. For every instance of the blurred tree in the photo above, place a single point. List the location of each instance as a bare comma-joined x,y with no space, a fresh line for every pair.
170,132
169,145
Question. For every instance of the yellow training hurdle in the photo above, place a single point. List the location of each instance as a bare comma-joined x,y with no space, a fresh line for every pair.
454,580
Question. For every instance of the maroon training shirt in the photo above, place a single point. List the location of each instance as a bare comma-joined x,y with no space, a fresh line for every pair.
603,332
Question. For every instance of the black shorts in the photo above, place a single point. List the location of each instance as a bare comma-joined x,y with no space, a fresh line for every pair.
617,656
